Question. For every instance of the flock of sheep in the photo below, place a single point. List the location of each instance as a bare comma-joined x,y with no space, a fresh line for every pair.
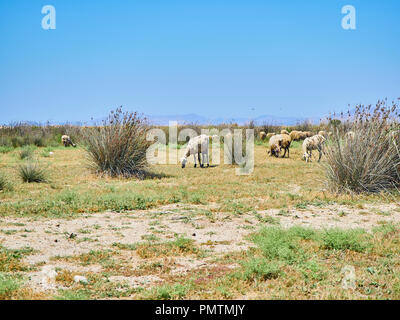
199,145
311,142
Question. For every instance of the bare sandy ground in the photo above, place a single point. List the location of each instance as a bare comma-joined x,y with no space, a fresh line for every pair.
222,233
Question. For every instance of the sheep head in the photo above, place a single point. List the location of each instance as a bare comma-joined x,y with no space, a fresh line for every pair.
275,150
183,162
306,157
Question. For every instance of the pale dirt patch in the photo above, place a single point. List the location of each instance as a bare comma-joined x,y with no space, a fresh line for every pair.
140,281
222,233
338,216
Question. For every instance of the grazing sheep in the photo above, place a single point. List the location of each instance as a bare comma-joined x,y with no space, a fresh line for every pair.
284,132
66,140
309,134
278,142
195,146
269,135
275,143
323,133
349,135
262,135
297,135
303,135
286,141
313,143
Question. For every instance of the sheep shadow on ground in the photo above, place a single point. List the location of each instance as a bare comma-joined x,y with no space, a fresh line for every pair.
154,176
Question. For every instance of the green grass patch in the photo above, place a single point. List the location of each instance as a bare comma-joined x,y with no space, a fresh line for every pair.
10,259
337,239
8,286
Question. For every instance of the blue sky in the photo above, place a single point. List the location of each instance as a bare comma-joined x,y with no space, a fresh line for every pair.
214,58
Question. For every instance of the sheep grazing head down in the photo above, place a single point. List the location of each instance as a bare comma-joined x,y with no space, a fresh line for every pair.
276,151
183,162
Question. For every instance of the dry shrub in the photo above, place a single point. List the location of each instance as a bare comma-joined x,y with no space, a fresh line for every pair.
32,172
268,128
118,147
370,160
305,125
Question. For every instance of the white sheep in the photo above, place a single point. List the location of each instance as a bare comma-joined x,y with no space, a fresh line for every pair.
278,142
197,145
350,135
313,143
66,140
284,132
275,143
262,135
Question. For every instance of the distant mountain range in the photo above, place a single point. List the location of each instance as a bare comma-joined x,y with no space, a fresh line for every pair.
196,119
191,118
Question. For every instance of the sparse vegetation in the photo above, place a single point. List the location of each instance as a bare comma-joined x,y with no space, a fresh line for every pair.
281,262
32,172
26,152
8,286
5,184
17,135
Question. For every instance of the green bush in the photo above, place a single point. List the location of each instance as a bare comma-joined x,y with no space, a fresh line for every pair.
32,172
277,243
26,152
353,239
5,149
167,292
8,285
5,185
260,269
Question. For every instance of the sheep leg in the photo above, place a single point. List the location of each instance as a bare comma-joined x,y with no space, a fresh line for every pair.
208,160
194,156
201,164
320,155
309,155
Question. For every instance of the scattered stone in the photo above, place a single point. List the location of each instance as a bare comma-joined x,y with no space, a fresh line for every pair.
349,278
178,218
48,275
80,279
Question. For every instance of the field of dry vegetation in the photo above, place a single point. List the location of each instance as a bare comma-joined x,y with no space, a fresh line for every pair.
191,233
